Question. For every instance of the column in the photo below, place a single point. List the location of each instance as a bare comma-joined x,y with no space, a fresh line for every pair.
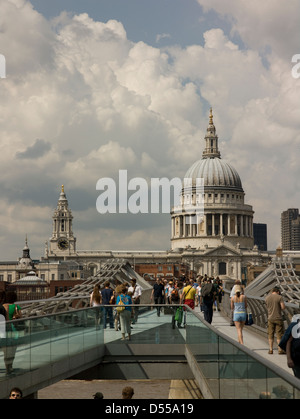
228,225
221,224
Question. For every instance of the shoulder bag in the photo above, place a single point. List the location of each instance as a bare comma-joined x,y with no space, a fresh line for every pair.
121,306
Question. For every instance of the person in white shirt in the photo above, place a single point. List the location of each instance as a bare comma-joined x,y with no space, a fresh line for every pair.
136,291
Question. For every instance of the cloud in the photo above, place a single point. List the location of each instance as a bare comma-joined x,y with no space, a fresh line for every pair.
273,24
161,36
38,149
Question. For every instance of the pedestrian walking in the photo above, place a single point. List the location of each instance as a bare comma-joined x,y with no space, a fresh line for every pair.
95,297
13,312
290,343
107,298
125,314
188,295
207,300
275,306
239,307
136,291
237,283
158,294
95,301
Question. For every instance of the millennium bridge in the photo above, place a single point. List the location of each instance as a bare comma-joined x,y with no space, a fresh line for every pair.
59,338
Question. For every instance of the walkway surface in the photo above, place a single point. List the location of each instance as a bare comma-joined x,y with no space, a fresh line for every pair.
160,389
252,340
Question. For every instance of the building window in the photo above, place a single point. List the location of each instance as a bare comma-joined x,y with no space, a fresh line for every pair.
222,268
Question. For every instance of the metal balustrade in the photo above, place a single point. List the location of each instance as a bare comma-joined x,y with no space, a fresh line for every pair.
50,348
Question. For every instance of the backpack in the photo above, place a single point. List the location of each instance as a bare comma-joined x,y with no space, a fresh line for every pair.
207,291
295,350
121,306
286,336
174,294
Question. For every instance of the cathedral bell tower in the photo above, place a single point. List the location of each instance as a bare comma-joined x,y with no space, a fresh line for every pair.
62,241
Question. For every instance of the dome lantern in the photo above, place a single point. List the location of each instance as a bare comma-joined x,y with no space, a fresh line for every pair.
211,140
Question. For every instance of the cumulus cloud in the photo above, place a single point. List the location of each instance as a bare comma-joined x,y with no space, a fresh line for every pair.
38,149
262,25
161,36
102,103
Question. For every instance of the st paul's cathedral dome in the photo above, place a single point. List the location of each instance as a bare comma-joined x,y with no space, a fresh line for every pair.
225,218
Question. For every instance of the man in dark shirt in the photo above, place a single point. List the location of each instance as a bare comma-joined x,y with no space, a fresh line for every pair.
107,294
158,294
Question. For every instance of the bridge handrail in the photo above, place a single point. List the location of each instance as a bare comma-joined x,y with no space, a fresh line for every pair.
279,372
295,382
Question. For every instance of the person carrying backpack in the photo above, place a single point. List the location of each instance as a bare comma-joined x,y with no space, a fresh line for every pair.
290,343
207,300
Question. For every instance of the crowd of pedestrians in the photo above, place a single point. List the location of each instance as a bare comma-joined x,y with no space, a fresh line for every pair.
204,292
121,311
118,312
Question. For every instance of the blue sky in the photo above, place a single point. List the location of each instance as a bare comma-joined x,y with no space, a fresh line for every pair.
127,84
183,21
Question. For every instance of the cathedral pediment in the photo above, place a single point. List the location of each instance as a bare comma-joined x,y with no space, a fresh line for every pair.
222,251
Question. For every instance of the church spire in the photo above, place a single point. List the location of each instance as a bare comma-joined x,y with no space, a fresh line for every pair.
211,140
62,240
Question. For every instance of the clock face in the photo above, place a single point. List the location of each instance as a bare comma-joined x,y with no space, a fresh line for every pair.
63,244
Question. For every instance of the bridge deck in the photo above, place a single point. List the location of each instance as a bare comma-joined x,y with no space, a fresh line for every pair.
252,340
150,329
160,388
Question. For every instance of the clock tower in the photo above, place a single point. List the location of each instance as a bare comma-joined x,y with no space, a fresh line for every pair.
62,241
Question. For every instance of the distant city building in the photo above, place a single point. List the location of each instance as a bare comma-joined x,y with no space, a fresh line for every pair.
290,229
260,236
